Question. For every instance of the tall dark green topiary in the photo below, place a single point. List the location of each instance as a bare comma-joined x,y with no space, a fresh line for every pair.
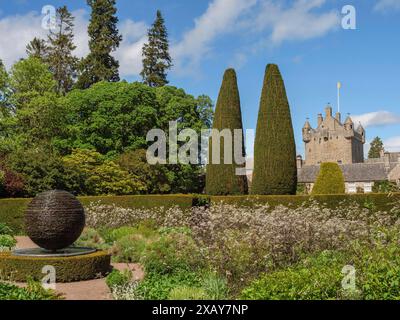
275,171
223,179
330,180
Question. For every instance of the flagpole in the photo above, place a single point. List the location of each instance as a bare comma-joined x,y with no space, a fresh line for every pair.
339,85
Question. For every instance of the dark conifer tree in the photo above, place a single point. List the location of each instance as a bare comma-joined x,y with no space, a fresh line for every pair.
275,171
156,58
37,48
100,65
225,179
376,148
62,62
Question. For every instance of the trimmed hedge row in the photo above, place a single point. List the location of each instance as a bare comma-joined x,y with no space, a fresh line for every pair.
68,269
12,210
374,201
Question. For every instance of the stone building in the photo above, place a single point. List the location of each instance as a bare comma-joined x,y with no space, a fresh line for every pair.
343,143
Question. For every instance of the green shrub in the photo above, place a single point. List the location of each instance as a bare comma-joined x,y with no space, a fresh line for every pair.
129,248
330,180
90,238
275,170
34,291
215,287
315,278
378,271
187,293
130,242
111,235
157,286
172,251
118,278
221,178
4,229
7,241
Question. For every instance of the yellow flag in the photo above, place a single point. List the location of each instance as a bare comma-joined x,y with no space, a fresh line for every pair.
339,85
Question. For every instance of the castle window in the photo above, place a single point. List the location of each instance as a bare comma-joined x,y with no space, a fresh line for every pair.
340,161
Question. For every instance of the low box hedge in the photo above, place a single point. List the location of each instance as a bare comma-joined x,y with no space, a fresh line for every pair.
68,269
374,201
12,210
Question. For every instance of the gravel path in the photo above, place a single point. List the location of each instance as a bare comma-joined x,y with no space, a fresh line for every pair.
86,290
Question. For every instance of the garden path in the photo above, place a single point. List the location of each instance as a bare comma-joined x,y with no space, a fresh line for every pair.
85,290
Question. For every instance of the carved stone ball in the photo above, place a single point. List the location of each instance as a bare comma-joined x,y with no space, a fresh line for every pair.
54,220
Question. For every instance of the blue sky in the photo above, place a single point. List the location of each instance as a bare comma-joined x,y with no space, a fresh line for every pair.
304,37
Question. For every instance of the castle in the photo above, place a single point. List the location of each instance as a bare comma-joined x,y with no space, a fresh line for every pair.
343,143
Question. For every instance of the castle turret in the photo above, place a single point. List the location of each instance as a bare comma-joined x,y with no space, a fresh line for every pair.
320,119
361,132
328,111
307,132
338,117
349,128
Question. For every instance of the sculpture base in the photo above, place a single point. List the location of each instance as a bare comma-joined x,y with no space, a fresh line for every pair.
68,269
43,253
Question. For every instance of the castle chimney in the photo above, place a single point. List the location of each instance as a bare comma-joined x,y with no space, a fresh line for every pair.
338,117
328,111
299,162
320,119
386,159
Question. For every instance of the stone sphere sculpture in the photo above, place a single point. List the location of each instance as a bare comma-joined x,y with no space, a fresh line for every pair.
54,220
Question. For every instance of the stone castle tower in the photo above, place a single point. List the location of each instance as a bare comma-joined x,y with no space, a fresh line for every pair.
333,141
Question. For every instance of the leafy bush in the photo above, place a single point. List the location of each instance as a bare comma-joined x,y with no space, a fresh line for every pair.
157,286
117,278
7,241
378,270
330,180
129,248
4,229
215,287
34,291
187,293
314,278
91,238
172,251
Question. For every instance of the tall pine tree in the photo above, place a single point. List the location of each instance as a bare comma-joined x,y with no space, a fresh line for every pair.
223,178
156,58
275,171
376,148
62,62
100,65
37,48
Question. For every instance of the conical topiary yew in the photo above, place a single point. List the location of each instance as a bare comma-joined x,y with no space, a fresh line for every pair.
330,180
275,171
223,179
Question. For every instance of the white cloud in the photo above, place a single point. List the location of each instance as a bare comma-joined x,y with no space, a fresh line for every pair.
387,5
271,21
296,22
17,31
129,53
379,118
392,144
15,34
219,19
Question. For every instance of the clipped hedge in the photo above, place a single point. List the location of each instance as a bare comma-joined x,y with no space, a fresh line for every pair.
330,180
68,269
12,210
374,201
